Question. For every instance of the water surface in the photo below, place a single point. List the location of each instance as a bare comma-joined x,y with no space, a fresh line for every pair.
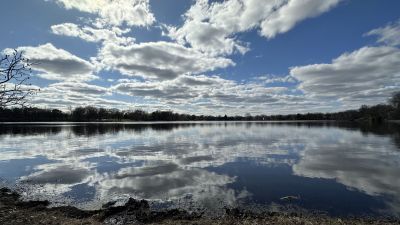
338,168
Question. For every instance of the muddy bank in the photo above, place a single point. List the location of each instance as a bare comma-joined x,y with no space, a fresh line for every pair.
14,211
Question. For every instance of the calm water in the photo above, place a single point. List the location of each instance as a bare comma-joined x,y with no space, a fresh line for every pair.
341,169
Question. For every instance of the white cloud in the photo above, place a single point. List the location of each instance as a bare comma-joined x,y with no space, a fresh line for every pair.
291,13
57,64
206,38
160,60
91,34
170,71
271,79
154,90
114,12
369,74
82,88
211,27
389,34
62,95
203,93
62,100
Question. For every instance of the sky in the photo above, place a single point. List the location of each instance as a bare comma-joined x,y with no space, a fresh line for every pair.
208,56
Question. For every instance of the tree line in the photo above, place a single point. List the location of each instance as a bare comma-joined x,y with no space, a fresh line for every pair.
376,113
15,72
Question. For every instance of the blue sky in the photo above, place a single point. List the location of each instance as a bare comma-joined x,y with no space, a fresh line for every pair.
208,57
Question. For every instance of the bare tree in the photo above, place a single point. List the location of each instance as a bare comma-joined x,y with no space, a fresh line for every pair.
15,71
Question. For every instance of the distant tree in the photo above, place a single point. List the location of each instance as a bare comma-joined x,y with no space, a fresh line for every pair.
137,115
395,103
395,100
365,114
78,114
91,113
15,71
102,114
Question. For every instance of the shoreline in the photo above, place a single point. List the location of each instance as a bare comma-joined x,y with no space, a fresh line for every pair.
191,121
15,211
130,122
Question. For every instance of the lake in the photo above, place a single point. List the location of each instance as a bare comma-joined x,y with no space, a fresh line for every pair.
337,168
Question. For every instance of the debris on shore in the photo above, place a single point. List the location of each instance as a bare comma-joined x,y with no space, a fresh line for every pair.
290,198
14,211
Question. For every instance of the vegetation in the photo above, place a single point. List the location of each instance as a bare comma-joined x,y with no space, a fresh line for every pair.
377,113
15,71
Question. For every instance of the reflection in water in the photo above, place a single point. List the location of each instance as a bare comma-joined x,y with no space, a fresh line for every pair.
210,164
366,163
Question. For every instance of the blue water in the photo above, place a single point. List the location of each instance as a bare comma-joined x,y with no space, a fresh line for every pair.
336,168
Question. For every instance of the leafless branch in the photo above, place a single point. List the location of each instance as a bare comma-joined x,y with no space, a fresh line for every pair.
15,72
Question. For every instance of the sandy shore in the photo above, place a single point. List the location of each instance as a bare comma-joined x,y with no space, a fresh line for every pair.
13,211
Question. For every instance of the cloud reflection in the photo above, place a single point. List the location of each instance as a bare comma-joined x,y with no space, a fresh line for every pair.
366,163
173,161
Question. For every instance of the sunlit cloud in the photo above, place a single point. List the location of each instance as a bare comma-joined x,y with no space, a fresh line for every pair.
190,66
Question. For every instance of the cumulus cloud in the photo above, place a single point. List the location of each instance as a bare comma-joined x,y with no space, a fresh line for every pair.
159,60
170,72
64,100
206,38
154,90
368,73
389,34
91,34
211,27
57,64
65,94
271,79
206,91
114,12
83,88
294,11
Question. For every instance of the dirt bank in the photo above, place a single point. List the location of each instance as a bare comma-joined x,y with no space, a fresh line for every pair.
14,211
